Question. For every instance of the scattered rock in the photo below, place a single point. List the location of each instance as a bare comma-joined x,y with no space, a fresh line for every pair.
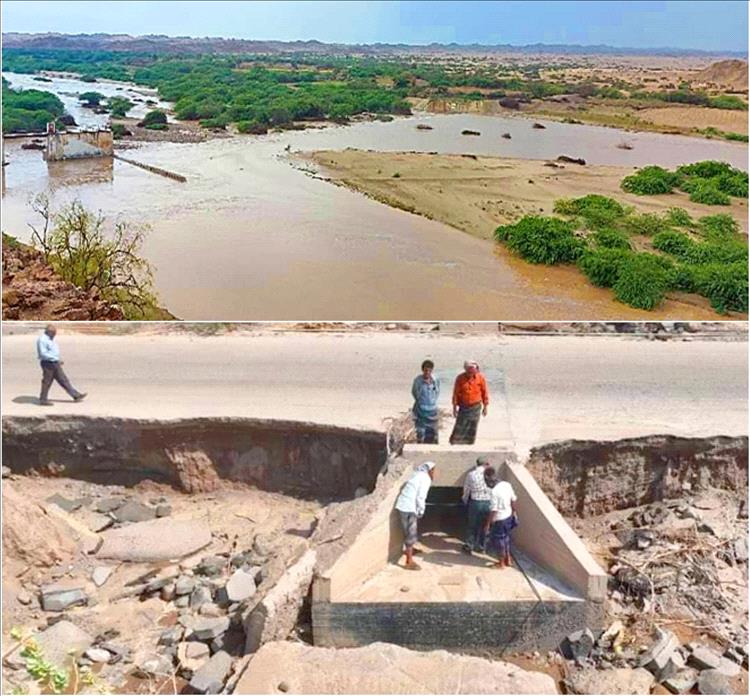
662,659
209,628
98,655
163,510
6,471
210,678
56,598
192,655
682,682
466,131
184,585
172,635
704,658
263,545
710,681
240,587
64,503
167,592
182,602
101,575
423,126
538,126
133,511
211,566
507,136
578,645
62,643
210,609
109,504
23,597
201,595
740,550
571,160
155,666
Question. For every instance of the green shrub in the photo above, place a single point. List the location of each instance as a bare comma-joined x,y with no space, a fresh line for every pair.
650,181
119,106
727,101
679,217
91,98
707,169
683,278
647,224
119,131
157,126
671,242
734,184
252,127
611,239
725,285
602,266
152,117
727,251
740,137
708,193
539,239
718,227
642,281
596,210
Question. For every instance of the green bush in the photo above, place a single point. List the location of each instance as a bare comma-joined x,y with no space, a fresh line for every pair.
539,239
707,169
119,130
727,251
650,181
725,285
596,210
252,127
734,184
642,281
154,117
602,266
741,137
679,217
708,193
91,98
157,126
119,106
718,227
611,239
671,242
646,224
727,101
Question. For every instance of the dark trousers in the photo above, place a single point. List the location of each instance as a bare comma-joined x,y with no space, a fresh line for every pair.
467,422
53,372
477,515
427,429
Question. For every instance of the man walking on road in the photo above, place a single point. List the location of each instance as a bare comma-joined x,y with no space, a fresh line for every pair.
48,353
470,400
426,390
476,496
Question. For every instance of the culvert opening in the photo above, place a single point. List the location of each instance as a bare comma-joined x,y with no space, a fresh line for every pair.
305,460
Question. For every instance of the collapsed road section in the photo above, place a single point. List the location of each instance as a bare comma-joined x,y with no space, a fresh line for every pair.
229,555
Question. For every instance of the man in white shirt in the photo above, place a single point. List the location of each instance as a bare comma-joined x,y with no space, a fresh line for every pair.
502,519
48,353
411,504
476,497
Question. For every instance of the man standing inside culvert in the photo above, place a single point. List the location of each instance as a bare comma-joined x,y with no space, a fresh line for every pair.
470,401
476,496
48,353
426,390
501,521
411,504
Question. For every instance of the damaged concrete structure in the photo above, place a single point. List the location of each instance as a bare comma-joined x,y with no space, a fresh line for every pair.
460,602
78,144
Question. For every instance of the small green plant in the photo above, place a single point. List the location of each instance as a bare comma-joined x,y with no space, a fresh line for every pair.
679,217
740,137
540,239
650,181
396,175
642,281
119,106
708,193
672,242
725,285
45,673
602,266
718,227
646,224
595,210
611,239
707,169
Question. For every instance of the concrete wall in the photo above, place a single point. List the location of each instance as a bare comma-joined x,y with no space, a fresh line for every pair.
79,144
453,461
545,536
303,459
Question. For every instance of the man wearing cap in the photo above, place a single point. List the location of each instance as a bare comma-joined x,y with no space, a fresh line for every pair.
470,401
411,504
48,353
476,496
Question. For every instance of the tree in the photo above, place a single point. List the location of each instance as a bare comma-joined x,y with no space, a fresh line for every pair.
119,106
91,98
80,248
153,117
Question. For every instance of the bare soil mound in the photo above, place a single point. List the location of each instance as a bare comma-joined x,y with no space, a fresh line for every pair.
32,290
731,74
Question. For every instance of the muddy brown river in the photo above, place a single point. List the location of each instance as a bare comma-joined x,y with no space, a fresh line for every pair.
249,236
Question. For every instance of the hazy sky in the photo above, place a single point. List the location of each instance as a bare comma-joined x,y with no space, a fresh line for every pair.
712,25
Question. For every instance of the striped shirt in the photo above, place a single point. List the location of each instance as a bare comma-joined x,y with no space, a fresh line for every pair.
475,487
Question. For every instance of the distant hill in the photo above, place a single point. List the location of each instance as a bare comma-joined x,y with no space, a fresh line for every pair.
185,44
730,74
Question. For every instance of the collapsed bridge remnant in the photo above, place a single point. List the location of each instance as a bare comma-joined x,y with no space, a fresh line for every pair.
77,144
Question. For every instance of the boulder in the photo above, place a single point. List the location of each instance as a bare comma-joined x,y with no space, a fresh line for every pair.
57,598
611,681
710,681
662,659
160,539
682,682
702,657
133,511
382,668
210,678
64,503
62,643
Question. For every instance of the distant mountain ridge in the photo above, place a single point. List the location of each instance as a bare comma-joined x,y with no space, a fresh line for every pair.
158,43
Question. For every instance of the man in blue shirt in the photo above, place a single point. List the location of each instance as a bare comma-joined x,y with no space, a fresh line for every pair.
426,390
48,353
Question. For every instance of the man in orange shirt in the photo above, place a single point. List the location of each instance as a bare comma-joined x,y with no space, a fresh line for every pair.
470,400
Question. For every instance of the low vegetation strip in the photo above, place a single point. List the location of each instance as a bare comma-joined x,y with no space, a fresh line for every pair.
29,110
641,256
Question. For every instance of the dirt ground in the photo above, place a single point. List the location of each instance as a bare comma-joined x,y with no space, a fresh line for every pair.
727,120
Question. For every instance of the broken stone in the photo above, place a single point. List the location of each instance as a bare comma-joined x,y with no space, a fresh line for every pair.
56,598
171,636
101,575
109,504
98,655
192,655
210,609
184,585
623,680
23,597
167,592
682,682
240,587
117,652
133,511
662,659
211,566
704,658
163,510
209,628
579,644
95,521
62,643
710,681
263,545
182,602
156,665
210,678
740,550
201,595
64,503
156,540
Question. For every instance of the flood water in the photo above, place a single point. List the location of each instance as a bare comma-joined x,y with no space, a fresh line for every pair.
251,237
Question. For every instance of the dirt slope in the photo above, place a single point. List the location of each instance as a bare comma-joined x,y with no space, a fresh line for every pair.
730,74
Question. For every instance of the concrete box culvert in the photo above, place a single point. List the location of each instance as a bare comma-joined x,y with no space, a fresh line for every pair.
306,460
